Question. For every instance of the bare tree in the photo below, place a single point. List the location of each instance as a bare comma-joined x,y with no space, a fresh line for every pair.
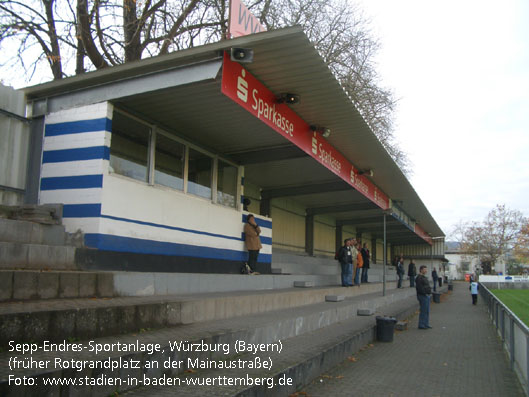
495,236
111,32
33,25
521,246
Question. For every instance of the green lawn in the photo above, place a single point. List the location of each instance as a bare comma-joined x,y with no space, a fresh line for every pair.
517,300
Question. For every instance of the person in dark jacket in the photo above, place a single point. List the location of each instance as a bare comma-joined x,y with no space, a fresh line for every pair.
424,291
400,271
412,273
345,258
366,256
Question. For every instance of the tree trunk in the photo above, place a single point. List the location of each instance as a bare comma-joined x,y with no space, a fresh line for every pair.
131,31
88,42
54,58
80,52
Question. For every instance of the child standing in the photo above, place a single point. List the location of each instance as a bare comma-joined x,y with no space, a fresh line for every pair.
474,287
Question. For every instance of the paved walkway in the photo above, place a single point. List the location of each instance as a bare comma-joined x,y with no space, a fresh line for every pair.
460,356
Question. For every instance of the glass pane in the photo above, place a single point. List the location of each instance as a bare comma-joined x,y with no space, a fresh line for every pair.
129,147
169,163
227,184
199,178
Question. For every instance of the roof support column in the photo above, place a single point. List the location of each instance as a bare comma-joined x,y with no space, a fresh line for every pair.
309,234
264,208
385,260
339,236
373,250
36,142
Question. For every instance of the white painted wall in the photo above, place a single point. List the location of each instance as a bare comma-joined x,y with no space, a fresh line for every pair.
133,209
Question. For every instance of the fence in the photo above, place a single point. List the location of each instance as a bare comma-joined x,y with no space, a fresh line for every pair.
514,335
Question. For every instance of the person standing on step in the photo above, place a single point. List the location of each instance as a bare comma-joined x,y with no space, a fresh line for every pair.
366,257
359,263
412,273
400,271
252,240
435,278
354,254
422,286
345,258
474,287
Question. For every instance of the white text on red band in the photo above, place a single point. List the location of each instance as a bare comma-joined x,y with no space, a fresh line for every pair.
264,110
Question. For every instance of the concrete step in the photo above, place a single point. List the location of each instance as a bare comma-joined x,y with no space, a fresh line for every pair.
15,255
36,285
25,232
286,262
300,361
47,214
312,339
89,318
54,284
144,284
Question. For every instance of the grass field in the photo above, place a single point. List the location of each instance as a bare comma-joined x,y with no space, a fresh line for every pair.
517,300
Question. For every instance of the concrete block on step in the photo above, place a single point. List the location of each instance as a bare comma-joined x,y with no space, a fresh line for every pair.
365,312
401,325
334,298
25,285
303,284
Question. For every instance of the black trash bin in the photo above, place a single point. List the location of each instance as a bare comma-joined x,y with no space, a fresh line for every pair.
450,287
436,297
385,328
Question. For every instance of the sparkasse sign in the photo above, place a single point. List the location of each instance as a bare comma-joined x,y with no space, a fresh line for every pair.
242,22
243,88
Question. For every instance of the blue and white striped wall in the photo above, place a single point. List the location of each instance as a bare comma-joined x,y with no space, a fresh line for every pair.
75,159
117,213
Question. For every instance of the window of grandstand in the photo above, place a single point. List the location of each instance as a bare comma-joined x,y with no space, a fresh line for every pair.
130,150
129,147
226,184
200,174
169,162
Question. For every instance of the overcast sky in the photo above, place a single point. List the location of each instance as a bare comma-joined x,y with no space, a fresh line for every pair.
460,69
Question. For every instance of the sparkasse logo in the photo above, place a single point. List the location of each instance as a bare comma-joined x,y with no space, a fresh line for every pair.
242,87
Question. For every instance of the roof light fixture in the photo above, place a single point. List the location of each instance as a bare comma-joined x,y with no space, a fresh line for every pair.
288,98
367,172
324,131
